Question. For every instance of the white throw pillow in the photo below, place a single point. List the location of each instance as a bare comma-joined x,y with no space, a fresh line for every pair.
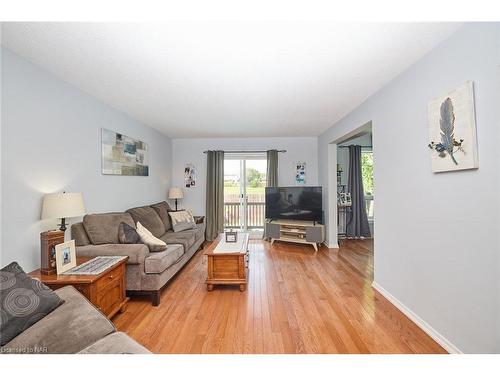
154,243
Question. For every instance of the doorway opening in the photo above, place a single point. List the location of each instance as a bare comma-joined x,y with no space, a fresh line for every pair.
355,188
244,192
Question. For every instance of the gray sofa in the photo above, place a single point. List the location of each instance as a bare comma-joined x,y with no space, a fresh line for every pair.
146,272
74,327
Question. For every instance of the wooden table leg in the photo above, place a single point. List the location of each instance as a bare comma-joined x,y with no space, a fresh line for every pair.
210,287
242,287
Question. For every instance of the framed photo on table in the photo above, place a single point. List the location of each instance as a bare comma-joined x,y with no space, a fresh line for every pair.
65,256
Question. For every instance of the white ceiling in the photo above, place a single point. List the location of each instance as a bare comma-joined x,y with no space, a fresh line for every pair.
228,79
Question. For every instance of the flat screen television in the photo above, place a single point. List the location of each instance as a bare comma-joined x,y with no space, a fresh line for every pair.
294,203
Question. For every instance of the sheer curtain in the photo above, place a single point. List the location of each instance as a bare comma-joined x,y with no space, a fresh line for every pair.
357,224
215,195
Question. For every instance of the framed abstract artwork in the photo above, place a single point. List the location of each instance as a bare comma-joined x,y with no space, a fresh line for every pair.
123,155
452,130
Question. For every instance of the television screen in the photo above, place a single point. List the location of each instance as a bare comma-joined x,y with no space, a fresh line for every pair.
294,203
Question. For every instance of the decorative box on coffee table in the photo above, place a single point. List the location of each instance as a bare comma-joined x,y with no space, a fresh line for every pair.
228,262
106,291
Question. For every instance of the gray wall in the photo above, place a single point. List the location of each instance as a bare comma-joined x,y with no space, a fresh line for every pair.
437,244
190,150
51,141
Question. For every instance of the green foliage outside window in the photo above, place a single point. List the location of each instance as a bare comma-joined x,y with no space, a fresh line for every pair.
367,172
255,178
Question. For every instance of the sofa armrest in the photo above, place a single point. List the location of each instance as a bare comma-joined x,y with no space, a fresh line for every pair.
136,252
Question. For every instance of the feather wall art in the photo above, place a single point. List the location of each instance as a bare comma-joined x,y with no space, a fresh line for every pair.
452,130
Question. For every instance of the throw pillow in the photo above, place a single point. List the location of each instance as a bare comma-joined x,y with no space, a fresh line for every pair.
23,302
154,244
127,234
182,220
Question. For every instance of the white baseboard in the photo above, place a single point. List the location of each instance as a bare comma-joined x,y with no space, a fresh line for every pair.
435,335
331,245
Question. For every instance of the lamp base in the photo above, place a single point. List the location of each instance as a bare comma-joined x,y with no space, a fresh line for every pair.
62,226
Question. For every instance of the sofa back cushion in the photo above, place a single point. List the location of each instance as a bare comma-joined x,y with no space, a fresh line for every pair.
79,234
162,209
103,228
148,217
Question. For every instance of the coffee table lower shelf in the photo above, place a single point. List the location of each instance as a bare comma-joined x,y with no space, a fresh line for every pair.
212,282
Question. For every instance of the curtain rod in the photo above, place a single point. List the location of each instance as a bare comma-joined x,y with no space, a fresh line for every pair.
242,151
356,145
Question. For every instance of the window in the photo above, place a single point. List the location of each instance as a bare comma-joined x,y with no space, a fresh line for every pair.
367,175
244,190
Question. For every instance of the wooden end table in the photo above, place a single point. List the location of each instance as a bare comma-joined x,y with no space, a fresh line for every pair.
105,291
227,268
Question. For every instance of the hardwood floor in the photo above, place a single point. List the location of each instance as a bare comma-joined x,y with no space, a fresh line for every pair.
297,301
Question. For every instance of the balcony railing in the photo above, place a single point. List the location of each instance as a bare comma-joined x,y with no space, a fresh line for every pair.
255,215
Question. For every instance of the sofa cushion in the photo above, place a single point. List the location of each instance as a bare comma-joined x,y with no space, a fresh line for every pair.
23,302
186,238
127,234
162,209
160,261
79,234
71,327
182,220
154,243
149,219
103,228
116,343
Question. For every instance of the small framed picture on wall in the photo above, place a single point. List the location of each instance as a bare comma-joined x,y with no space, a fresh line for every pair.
189,175
300,173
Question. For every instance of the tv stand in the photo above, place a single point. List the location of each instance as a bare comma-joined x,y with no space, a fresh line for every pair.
306,232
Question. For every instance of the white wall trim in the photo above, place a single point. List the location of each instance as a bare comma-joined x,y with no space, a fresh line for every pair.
332,227
426,327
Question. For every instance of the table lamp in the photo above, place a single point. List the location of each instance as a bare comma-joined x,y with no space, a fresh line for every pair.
175,193
61,206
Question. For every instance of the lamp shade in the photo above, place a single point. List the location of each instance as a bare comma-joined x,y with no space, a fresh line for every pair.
62,205
175,193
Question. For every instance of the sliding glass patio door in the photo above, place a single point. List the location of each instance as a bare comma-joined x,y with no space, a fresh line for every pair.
244,191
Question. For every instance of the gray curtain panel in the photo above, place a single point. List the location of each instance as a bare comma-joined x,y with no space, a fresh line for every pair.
272,174
357,222
272,168
215,194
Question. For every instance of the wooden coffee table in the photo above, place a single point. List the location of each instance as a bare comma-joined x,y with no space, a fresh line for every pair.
105,291
228,268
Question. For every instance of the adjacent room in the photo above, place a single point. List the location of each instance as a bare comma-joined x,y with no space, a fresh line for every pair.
282,188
